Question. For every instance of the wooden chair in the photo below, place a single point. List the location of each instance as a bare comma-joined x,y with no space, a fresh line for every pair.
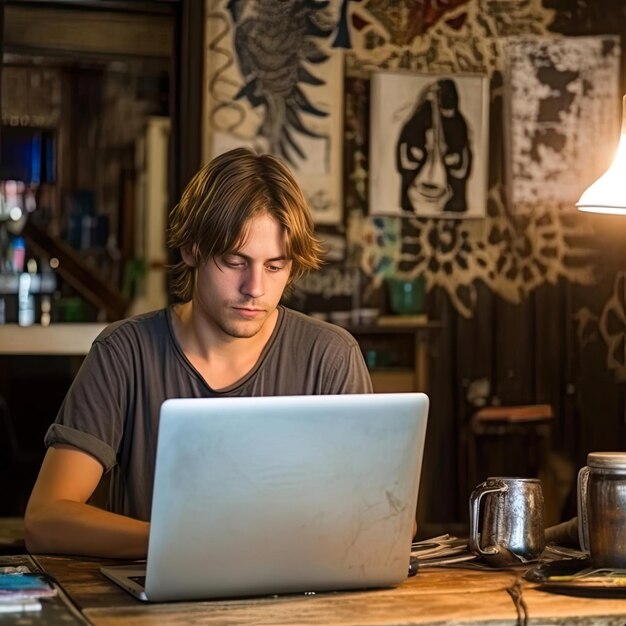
508,441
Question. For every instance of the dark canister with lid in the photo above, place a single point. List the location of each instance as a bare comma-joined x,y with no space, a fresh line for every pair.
602,509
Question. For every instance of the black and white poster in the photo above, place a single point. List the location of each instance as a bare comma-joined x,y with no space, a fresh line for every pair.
429,145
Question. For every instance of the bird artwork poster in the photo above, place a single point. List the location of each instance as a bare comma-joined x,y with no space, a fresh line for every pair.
274,83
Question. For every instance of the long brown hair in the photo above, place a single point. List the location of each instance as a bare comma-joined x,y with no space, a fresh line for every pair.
217,203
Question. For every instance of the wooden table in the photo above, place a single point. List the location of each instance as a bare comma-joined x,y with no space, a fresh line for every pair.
433,597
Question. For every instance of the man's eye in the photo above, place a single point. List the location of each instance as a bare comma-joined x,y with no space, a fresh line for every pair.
275,268
235,263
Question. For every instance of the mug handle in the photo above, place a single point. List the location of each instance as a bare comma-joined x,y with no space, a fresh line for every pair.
583,516
490,486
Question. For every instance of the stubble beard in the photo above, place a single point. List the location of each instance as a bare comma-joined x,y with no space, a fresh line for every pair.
243,329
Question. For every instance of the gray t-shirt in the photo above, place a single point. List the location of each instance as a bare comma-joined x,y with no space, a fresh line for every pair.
112,408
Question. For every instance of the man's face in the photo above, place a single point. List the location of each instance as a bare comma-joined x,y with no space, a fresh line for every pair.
238,291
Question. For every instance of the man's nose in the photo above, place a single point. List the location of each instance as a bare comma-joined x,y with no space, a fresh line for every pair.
253,282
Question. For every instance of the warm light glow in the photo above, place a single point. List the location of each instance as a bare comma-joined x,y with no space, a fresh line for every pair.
608,193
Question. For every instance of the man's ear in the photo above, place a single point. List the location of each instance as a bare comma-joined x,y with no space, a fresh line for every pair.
188,257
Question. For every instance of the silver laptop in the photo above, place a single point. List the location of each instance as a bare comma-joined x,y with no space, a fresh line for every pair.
270,495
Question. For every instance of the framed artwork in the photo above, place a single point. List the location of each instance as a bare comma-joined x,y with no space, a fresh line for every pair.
562,122
274,83
428,145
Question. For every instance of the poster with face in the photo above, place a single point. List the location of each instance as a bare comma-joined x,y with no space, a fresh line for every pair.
428,151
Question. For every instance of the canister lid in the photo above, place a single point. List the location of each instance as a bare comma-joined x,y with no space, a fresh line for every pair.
607,460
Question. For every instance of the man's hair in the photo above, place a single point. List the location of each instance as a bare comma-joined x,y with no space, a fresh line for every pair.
215,207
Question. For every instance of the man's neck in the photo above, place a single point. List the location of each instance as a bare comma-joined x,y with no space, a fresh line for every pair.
220,359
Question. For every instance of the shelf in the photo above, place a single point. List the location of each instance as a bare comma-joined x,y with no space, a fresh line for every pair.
57,339
400,329
397,356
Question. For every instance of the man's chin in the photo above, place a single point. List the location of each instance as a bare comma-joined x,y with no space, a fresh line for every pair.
243,329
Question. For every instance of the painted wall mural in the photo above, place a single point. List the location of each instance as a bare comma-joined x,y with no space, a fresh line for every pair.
454,255
459,36
605,322
275,83
612,325
512,256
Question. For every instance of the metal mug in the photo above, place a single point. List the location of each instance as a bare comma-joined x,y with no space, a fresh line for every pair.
602,509
513,523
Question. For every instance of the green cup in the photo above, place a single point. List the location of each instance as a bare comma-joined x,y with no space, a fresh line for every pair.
406,296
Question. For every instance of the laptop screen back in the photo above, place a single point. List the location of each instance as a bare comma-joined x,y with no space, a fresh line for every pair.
284,494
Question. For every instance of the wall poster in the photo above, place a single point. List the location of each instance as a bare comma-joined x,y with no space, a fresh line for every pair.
274,83
429,145
562,96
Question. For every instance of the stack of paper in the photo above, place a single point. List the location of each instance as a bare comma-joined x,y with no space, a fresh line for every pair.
442,550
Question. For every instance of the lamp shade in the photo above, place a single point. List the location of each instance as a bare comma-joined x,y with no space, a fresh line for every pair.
608,193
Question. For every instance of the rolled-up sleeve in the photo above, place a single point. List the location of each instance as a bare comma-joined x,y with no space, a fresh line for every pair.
92,416
64,435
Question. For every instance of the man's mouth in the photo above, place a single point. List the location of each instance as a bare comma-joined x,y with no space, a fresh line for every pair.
248,312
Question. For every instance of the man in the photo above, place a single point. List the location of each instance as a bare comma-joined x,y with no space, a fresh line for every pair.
433,154
245,235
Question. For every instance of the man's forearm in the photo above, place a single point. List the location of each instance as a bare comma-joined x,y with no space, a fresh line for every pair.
66,527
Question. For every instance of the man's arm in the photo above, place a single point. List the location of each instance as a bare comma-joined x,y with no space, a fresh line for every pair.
59,521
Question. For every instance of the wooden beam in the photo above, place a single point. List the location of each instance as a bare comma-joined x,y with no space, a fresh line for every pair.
64,30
